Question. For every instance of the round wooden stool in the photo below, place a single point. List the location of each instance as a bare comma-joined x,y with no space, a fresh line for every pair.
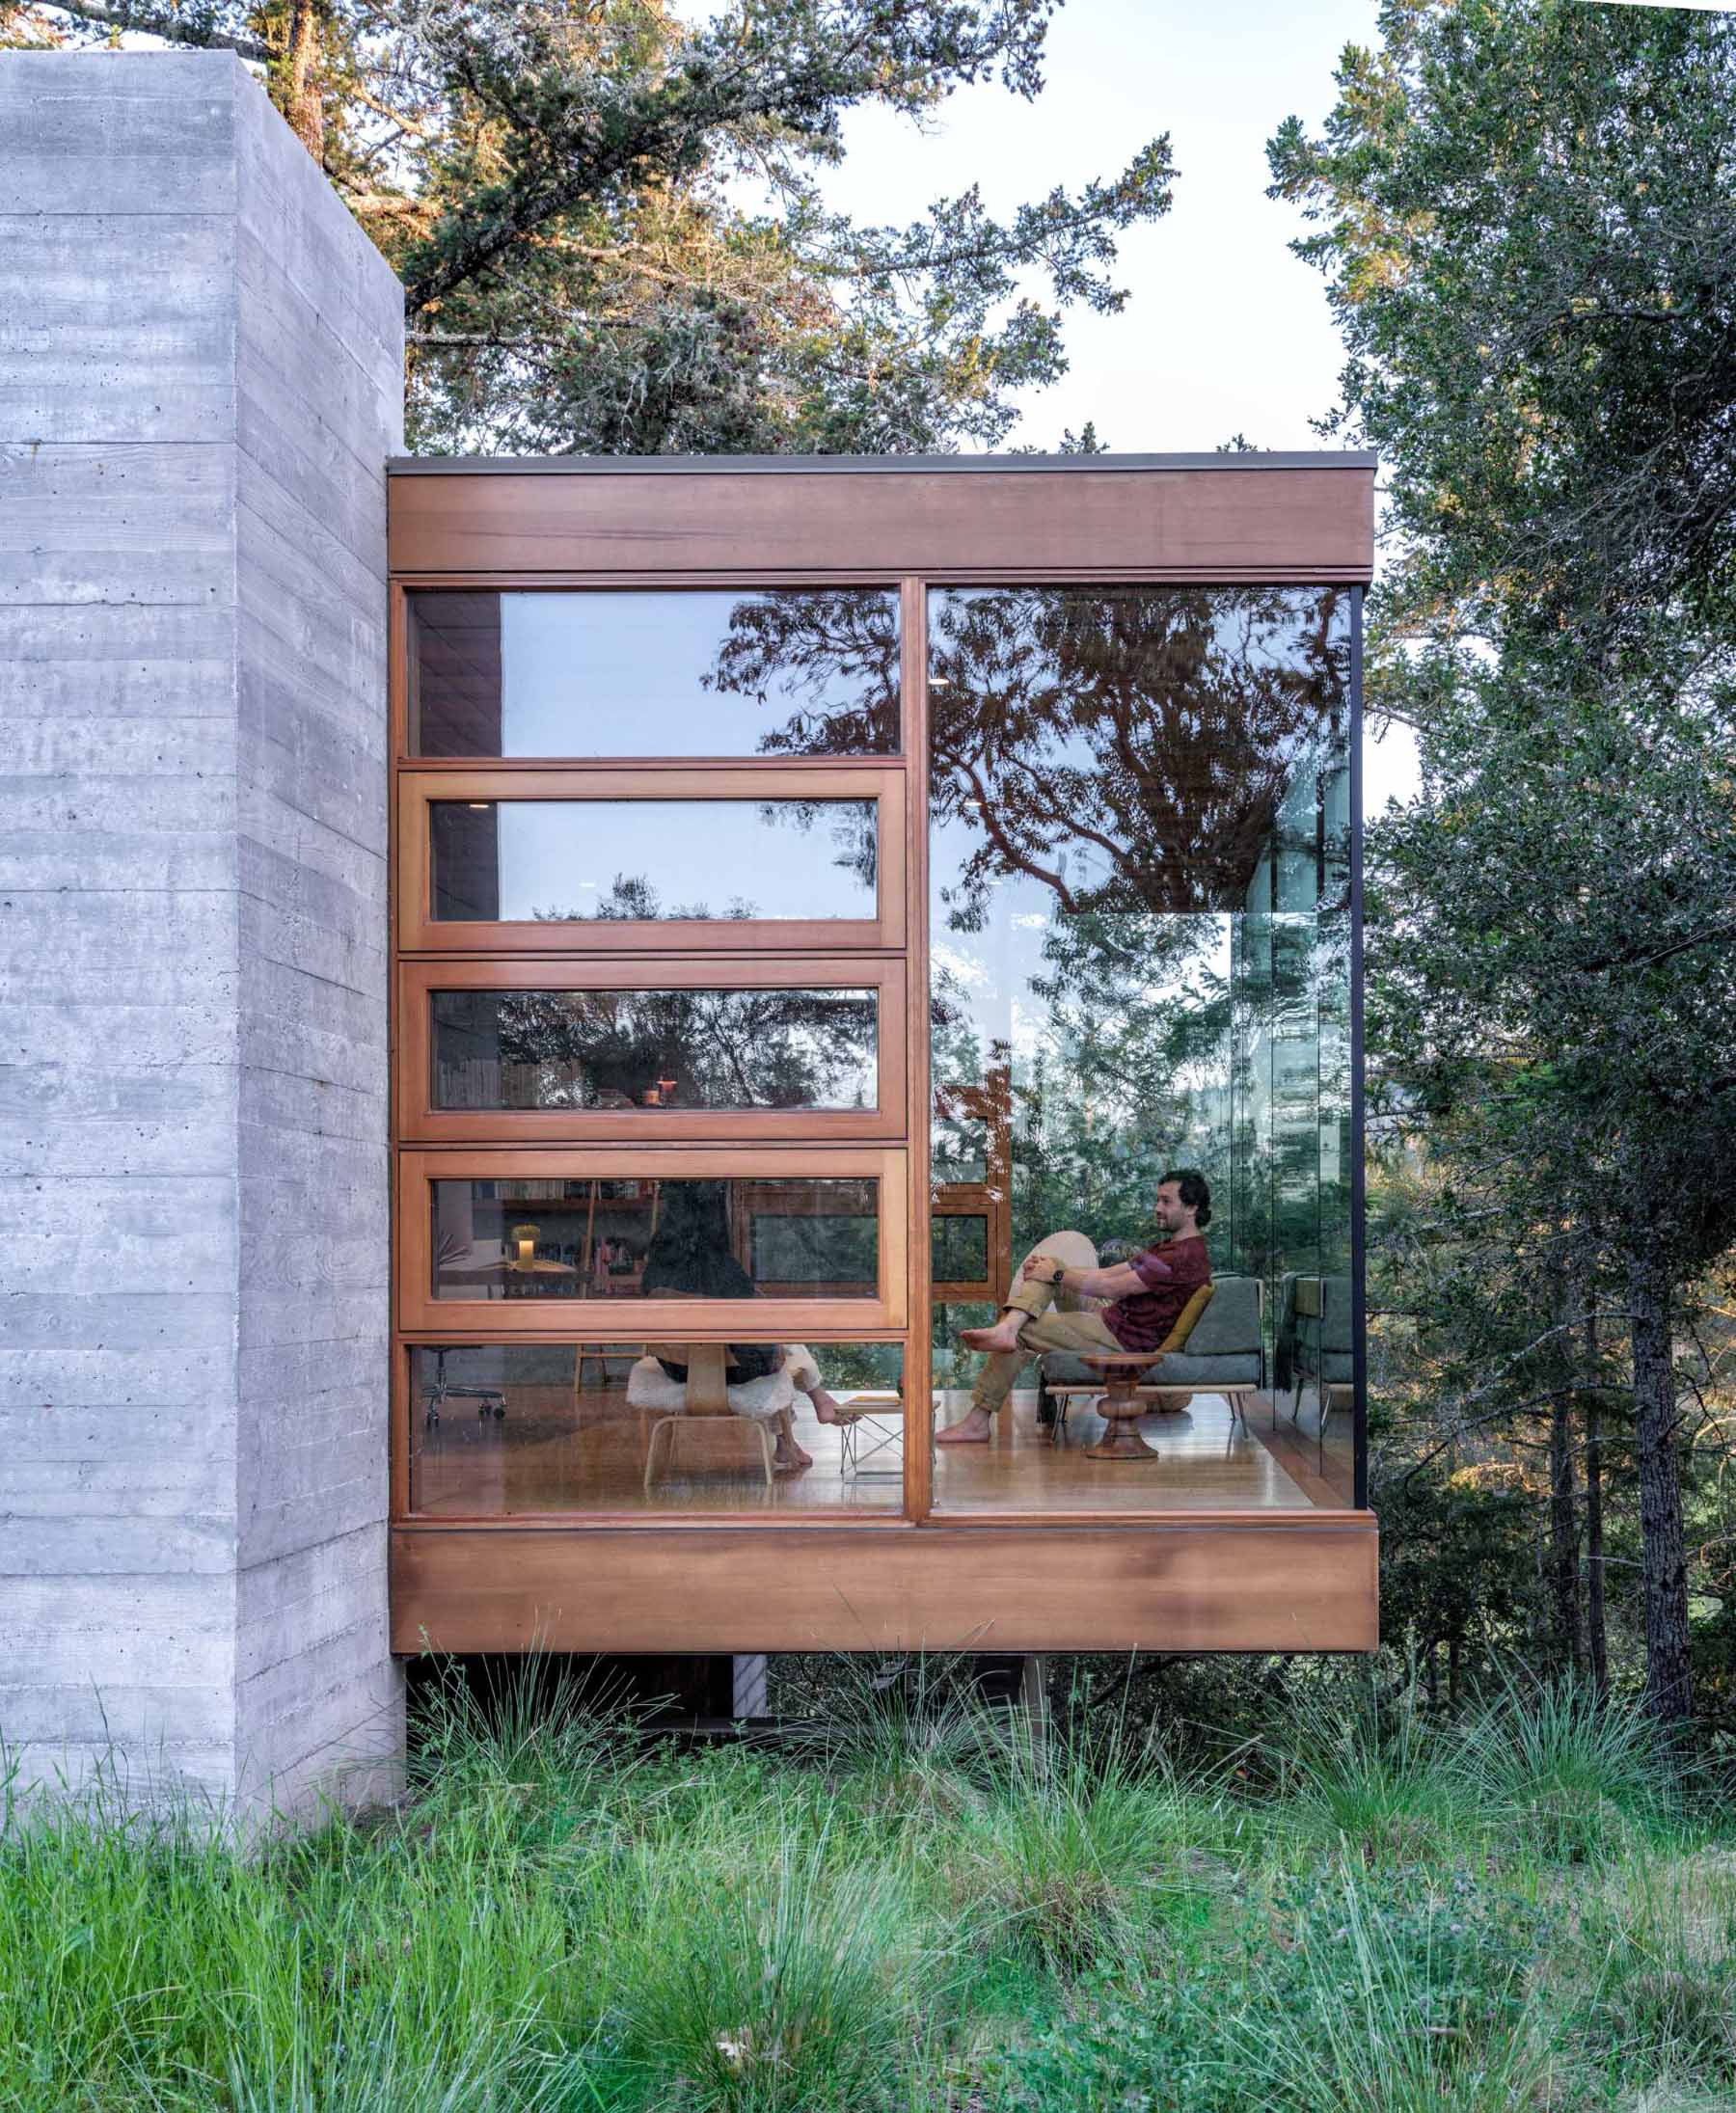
1120,1403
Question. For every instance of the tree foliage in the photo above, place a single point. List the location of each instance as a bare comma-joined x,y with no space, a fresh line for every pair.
611,225
1526,213
1527,217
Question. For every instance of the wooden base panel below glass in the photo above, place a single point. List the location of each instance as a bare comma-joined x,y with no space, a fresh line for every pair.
1298,1582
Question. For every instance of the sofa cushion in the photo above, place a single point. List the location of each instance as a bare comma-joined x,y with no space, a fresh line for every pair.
1181,1368
1230,1326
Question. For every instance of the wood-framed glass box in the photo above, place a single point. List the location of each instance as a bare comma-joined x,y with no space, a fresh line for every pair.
816,880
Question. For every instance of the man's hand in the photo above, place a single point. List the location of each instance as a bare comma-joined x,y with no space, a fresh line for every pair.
1040,1265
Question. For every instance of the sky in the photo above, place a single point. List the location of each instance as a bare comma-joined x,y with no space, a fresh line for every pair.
1225,331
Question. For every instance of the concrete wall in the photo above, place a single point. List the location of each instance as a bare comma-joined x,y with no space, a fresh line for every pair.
200,360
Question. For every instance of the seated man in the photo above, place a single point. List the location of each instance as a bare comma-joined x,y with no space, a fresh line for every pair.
1145,1297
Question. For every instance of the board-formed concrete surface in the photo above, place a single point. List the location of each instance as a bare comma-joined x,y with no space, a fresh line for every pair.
200,377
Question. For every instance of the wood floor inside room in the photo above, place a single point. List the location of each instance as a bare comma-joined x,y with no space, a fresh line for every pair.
556,1452
1207,1460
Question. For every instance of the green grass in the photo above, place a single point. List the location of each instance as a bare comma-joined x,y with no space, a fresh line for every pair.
1364,1909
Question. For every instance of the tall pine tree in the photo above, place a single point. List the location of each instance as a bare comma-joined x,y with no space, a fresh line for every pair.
1526,213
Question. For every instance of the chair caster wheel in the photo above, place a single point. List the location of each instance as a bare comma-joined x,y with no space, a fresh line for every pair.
432,1419
501,1414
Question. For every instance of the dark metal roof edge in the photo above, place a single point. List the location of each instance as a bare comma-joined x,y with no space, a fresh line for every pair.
856,465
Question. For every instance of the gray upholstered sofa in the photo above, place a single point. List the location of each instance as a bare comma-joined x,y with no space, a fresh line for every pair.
1225,1354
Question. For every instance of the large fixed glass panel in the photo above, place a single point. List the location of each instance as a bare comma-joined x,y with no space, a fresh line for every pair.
1140,964
635,862
496,1429
609,1241
807,1049
642,672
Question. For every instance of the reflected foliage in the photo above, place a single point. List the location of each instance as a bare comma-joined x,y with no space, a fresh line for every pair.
674,1048
1126,749
817,650
1140,858
685,672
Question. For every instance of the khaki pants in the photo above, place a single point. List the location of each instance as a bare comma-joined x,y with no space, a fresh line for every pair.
1060,1320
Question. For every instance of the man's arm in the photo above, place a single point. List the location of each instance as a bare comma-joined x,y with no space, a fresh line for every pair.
1119,1281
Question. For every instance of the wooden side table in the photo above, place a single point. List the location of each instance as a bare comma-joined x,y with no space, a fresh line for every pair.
1120,1403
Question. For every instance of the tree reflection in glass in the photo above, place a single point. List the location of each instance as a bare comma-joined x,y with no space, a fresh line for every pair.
567,861
671,1048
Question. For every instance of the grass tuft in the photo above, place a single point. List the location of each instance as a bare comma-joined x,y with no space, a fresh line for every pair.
457,2067
1425,2008
910,1732
1572,1775
785,1983
1376,1778
1074,1858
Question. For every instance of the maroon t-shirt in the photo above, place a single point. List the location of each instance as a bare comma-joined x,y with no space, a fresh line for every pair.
1143,1319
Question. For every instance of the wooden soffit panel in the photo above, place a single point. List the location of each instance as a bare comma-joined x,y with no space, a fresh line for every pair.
1244,523
1296,1584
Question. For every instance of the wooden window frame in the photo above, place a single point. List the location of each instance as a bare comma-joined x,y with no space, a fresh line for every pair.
975,1200
419,1121
419,931
582,948
593,1320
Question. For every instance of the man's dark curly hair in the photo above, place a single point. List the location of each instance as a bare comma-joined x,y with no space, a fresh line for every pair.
1194,1190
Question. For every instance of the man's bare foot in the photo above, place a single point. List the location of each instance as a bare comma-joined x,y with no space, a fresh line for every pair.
825,1408
1003,1335
972,1429
789,1456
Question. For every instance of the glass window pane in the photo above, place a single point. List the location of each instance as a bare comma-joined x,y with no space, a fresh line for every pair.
959,1247
598,1049
573,1427
569,862
1139,856
762,672
796,1236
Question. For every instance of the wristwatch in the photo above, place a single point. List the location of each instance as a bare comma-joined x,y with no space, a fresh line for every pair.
1060,1271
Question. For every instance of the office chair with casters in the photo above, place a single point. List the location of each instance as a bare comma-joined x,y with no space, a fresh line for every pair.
490,1400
